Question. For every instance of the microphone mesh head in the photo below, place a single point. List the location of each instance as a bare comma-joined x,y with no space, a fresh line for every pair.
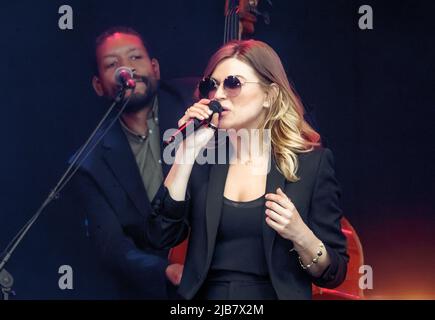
123,73
215,106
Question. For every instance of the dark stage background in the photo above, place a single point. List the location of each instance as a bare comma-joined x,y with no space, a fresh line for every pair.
372,93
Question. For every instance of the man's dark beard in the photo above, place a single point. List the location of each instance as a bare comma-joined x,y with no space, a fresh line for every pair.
139,101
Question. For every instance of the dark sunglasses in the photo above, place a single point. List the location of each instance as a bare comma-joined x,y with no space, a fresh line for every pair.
232,86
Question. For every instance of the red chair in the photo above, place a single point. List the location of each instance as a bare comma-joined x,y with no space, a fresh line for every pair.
349,289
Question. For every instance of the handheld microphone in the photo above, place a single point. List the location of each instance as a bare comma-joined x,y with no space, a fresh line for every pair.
124,77
182,132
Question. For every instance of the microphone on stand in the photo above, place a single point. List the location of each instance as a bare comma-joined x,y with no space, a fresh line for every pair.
124,76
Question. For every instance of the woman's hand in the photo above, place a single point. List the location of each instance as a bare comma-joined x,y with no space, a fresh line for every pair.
284,218
185,156
202,136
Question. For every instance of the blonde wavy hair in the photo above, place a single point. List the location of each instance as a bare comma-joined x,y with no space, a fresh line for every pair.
290,133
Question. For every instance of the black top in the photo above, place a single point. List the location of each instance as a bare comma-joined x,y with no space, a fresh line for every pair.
239,243
315,195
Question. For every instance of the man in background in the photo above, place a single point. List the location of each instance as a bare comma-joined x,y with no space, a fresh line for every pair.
116,184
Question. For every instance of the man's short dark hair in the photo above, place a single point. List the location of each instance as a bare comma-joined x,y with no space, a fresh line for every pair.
110,32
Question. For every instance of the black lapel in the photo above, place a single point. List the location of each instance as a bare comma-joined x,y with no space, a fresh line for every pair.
274,181
121,160
215,193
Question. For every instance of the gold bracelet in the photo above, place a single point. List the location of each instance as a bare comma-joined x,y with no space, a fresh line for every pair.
315,260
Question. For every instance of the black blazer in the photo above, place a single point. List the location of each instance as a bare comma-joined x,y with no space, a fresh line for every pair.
110,192
315,195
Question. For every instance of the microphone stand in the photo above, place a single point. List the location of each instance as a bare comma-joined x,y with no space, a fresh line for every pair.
6,282
6,279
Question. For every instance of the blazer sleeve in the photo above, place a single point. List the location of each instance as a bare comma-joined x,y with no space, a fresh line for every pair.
168,224
142,270
324,219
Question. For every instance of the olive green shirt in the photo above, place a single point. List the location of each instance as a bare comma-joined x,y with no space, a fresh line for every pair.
146,150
